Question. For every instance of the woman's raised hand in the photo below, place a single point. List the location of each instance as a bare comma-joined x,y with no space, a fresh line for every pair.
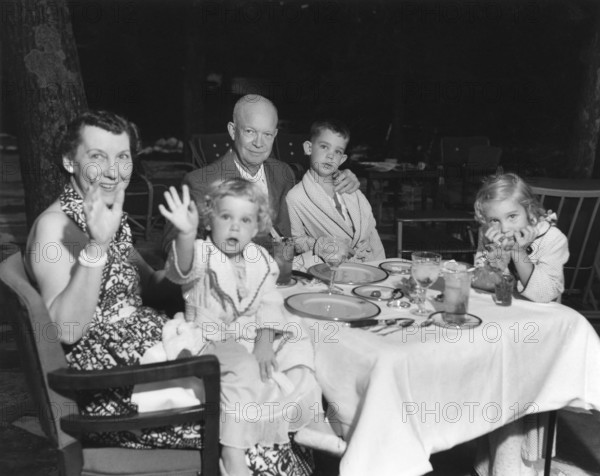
182,212
102,221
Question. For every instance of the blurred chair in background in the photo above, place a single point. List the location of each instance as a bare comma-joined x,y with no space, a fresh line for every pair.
207,148
454,155
452,233
141,202
482,160
288,148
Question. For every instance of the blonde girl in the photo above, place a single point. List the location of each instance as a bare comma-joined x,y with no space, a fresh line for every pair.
519,235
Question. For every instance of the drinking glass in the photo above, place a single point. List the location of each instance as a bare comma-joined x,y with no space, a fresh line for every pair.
425,271
282,250
335,252
457,286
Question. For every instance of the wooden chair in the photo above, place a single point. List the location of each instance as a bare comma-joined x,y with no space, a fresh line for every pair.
207,148
577,205
53,384
448,232
578,212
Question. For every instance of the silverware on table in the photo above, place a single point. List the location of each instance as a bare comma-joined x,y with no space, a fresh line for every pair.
427,322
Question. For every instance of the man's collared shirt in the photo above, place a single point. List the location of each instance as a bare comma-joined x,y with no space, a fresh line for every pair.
259,179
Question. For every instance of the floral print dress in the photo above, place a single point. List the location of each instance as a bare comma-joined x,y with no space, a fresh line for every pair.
121,332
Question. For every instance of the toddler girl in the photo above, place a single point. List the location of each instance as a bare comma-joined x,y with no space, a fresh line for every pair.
519,235
234,311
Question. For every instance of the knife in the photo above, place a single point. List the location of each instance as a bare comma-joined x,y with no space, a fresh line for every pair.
310,277
388,322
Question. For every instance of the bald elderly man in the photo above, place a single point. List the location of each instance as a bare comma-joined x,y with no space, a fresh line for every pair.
253,131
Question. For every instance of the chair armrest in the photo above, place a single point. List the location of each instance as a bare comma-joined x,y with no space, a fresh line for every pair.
205,367
75,424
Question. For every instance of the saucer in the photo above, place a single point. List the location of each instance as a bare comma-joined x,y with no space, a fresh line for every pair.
293,282
470,322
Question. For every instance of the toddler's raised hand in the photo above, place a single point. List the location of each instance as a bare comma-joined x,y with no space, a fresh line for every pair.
182,212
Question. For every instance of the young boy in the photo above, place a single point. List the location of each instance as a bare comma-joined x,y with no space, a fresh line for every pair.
317,211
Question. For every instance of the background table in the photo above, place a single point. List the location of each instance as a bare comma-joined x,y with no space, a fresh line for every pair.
401,397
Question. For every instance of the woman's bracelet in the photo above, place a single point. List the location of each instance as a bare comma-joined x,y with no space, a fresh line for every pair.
88,261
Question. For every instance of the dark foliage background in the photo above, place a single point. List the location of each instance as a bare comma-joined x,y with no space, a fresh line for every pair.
510,70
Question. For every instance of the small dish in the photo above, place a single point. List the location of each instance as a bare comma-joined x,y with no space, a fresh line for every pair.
374,292
293,282
470,321
395,267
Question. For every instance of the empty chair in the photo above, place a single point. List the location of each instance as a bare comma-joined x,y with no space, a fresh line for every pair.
53,386
207,148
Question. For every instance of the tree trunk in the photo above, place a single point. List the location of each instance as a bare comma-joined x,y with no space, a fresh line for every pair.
194,93
44,83
585,140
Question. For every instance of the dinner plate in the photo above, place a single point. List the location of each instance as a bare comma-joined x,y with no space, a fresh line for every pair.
470,321
396,266
349,273
331,307
374,292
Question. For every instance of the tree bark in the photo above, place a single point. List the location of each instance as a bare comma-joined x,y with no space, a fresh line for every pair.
587,126
194,93
43,81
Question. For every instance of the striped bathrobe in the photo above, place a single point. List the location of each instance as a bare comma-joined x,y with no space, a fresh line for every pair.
312,215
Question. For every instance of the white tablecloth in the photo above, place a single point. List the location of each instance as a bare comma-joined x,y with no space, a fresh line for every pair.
401,397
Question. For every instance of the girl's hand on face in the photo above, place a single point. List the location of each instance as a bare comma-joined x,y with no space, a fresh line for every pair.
508,241
494,235
504,241
182,212
265,356
525,236
102,221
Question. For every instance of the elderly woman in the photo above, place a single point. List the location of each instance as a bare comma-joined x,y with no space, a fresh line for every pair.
93,286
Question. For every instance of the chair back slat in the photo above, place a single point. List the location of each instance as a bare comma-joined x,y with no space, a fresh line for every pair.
578,212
